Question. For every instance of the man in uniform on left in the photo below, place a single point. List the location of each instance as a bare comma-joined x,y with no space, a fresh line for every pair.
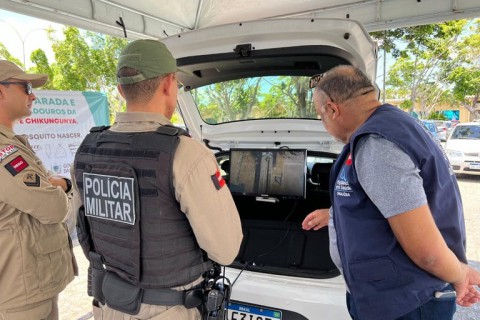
36,257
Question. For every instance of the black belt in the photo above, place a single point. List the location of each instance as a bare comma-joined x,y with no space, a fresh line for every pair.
126,297
163,297
189,298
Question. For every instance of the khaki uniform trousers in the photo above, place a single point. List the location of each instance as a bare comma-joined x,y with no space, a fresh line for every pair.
44,310
148,312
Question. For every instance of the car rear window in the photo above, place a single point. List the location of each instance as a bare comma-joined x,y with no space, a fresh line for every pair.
271,97
466,132
430,126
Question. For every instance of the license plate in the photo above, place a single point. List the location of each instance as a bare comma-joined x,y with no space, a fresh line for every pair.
245,312
474,165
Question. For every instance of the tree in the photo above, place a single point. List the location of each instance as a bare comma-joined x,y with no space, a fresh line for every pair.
4,54
465,73
84,61
230,101
430,63
255,98
403,42
295,97
87,61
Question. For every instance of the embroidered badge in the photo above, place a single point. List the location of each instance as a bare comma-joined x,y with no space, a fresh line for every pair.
16,165
109,197
8,150
218,180
31,179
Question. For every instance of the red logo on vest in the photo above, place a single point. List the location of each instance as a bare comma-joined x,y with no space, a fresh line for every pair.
349,160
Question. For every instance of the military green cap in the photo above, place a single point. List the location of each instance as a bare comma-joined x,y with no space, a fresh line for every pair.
151,58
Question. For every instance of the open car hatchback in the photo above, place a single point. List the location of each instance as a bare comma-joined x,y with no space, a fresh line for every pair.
246,96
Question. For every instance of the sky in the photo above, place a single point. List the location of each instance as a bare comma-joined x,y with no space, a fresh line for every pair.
18,31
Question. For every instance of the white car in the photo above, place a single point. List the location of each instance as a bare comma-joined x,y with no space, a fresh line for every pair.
247,98
442,130
463,148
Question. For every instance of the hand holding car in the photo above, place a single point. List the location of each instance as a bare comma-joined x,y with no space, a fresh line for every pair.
316,219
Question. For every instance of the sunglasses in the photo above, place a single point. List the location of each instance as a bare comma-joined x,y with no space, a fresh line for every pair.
26,85
315,79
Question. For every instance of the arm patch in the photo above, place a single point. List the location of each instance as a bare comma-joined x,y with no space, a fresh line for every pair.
31,179
16,165
218,180
8,150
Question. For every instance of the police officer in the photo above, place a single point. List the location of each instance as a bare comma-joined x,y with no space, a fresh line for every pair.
156,210
36,256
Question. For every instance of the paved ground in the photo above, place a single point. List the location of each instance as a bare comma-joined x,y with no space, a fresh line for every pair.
470,190
75,304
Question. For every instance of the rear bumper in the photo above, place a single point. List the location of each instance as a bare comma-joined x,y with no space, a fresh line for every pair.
302,298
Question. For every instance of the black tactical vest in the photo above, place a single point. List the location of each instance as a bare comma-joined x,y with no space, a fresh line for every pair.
130,215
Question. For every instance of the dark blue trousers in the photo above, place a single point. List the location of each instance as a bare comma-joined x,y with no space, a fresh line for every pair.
435,309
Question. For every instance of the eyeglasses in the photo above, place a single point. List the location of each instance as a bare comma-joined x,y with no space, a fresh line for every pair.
315,79
26,85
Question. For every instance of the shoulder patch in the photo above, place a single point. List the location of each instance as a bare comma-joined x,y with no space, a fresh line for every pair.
218,180
31,179
16,165
8,150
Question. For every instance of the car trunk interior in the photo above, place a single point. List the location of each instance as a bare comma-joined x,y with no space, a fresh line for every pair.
274,240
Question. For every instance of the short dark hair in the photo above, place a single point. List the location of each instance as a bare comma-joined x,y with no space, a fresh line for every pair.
139,92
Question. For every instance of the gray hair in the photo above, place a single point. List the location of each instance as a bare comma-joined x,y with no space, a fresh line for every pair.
345,82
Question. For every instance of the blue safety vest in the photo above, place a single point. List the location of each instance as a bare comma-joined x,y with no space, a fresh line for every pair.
383,280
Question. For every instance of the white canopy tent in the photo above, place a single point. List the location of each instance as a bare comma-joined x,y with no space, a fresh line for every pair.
161,18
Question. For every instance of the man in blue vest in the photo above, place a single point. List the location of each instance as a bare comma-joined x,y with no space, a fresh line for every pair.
396,222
